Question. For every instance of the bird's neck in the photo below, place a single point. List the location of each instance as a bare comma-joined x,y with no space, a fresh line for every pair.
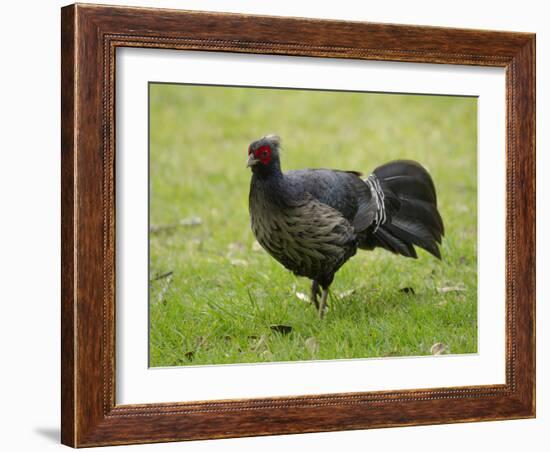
271,172
268,187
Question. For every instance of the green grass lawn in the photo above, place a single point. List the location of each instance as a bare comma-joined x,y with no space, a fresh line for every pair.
224,299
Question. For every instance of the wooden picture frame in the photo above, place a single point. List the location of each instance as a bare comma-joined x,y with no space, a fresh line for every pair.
90,35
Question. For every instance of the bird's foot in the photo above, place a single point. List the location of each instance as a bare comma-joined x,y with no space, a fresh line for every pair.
315,292
323,304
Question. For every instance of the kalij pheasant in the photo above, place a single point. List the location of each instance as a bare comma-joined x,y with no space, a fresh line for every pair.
312,221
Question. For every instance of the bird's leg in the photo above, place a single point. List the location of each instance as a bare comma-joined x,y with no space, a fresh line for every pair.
323,304
315,292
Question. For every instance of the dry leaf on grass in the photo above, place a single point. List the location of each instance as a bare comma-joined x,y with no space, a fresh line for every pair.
185,222
191,221
312,345
267,354
162,276
346,293
202,341
260,343
235,247
439,348
458,288
167,280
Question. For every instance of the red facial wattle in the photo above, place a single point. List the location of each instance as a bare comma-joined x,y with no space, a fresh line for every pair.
263,154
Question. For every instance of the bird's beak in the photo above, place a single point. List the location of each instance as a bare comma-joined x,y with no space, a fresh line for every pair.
252,160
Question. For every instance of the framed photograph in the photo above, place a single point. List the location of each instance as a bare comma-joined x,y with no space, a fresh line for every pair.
282,225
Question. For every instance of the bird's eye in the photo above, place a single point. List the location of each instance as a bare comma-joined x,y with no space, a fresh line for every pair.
264,154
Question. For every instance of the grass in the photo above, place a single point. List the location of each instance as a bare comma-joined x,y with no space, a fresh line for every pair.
225,296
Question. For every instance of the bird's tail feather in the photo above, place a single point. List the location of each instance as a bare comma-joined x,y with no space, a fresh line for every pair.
410,212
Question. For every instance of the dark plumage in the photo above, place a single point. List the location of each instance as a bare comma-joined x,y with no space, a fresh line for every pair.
312,221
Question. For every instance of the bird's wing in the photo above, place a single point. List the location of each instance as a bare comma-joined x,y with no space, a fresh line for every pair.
344,191
366,213
337,189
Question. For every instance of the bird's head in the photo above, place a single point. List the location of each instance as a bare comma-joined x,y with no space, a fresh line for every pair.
263,155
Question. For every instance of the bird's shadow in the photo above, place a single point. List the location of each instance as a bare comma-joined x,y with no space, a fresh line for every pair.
51,433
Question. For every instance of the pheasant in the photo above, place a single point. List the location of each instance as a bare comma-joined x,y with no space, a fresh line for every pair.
313,220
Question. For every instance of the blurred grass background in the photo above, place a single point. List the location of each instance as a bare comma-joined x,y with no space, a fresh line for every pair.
216,297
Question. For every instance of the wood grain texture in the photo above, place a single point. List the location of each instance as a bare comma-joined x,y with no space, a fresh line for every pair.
90,36
68,146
